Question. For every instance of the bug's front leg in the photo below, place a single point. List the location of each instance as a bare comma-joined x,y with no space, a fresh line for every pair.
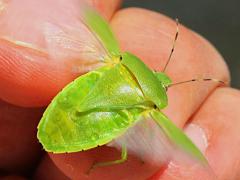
109,163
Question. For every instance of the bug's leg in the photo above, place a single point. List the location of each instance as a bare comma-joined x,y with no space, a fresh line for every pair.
109,163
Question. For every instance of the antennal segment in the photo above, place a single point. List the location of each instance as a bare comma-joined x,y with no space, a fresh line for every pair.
197,80
173,47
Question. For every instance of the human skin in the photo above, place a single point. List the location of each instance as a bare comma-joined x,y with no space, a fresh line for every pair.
19,149
148,35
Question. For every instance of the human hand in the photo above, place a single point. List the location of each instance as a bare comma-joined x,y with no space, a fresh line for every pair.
148,35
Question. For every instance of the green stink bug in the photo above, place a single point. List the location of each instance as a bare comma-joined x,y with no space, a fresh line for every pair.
102,105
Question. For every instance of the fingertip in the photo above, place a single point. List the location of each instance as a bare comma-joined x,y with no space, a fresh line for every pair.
107,8
222,127
217,129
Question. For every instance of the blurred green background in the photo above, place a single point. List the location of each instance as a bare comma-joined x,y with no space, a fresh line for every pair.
216,20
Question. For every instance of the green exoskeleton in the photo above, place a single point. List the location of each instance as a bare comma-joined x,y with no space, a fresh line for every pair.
102,105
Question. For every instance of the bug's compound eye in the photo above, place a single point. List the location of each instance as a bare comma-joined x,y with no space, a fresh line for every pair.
155,106
166,88
121,58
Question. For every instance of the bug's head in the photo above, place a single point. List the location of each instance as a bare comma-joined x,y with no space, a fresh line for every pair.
115,59
164,79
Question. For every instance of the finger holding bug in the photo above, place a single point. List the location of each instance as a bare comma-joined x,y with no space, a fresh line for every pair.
215,131
25,64
192,58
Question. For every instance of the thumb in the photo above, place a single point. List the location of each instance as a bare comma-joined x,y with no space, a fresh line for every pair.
28,76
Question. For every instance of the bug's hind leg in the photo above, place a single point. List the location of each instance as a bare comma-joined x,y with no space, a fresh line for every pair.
109,163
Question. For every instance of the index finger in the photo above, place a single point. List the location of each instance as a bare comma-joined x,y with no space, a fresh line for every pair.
29,77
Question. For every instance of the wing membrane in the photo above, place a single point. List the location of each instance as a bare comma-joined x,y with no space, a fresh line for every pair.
102,30
71,32
158,145
72,43
146,141
86,37
177,137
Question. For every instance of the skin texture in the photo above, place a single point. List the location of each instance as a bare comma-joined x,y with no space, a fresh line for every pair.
148,35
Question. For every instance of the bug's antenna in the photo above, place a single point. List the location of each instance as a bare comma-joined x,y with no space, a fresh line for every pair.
196,80
173,47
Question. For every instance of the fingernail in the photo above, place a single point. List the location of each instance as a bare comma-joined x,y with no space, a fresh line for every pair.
197,135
